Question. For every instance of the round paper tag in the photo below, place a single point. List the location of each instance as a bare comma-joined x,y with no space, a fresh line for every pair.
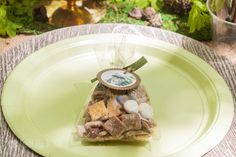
118,79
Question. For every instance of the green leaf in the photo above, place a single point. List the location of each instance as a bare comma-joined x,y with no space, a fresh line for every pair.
142,3
118,1
156,4
3,2
7,27
198,17
11,28
2,12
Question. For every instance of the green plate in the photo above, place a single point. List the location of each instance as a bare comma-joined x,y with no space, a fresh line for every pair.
44,95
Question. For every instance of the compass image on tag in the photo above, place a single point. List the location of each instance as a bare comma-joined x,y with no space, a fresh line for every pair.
118,79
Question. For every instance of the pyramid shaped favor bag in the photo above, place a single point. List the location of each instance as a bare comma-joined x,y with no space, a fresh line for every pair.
119,108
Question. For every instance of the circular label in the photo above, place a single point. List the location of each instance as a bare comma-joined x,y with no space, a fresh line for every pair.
118,79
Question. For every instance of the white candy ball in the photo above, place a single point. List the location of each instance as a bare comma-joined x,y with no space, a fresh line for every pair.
145,110
131,106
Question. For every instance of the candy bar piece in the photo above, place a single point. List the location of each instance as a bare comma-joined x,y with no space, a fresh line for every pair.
93,132
97,110
131,121
146,126
114,126
98,95
113,108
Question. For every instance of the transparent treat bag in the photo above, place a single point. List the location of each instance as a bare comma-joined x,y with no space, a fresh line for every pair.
119,107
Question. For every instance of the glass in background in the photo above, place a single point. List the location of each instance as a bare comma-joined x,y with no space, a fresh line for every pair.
223,14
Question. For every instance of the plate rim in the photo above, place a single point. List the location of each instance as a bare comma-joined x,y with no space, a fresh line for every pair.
176,50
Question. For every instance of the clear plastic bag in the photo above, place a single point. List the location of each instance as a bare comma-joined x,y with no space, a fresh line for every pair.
116,113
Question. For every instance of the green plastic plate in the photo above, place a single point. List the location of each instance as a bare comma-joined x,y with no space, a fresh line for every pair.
46,92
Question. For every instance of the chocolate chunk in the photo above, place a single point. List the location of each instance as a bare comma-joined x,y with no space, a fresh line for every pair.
131,121
114,126
93,132
98,95
146,126
104,94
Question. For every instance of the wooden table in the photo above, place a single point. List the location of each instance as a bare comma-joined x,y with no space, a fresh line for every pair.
12,147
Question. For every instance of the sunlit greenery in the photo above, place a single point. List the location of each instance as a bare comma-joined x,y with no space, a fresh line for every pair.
16,17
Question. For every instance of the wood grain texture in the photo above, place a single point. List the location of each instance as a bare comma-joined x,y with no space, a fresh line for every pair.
12,147
6,43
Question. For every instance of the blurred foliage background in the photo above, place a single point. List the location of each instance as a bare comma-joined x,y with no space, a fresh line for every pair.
188,17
